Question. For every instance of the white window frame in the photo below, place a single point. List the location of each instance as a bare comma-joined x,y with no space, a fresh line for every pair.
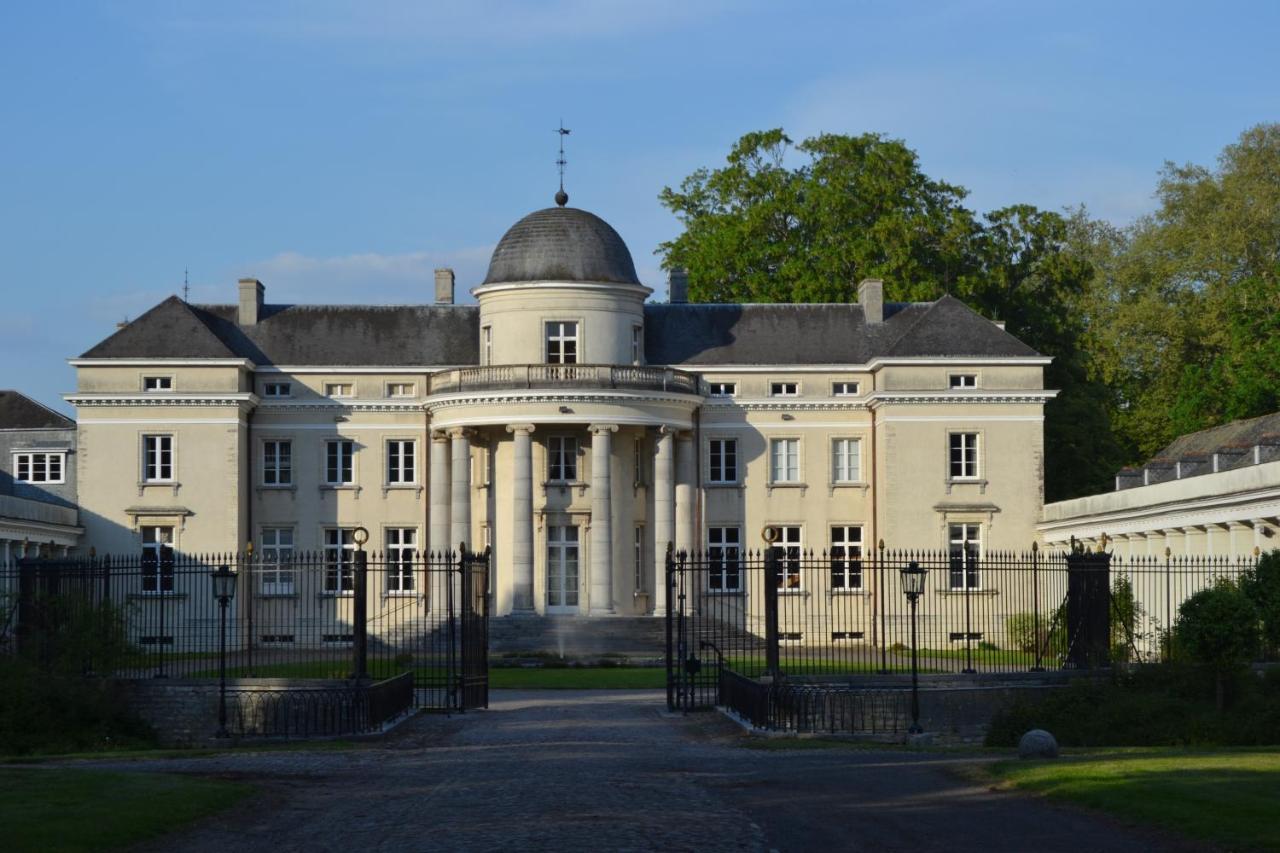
637,344
402,390
339,560
401,471
154,459
27,459
722,465
276,390
637,553
790,474
724,559
158,579
335,390
845,388
277,554
278,465
722,389
846,467
846,557
401,552
555,335
962,381
790,575
345,460
784,388
562,458
639,465
964,450
162,381
964,538
486,345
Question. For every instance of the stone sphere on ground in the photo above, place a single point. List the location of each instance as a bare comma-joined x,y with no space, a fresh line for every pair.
1038,743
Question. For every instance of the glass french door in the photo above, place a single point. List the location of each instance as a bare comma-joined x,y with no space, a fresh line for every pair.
563,553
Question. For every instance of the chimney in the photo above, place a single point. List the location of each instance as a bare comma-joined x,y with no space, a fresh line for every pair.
251,293
871,298
444,286
678,286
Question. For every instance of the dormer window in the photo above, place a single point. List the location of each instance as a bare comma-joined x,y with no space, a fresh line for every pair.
562,342
277,389
157,383
784,389
339,389
844,389
963,380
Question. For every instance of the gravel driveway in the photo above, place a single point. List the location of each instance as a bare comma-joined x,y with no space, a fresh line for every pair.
610,770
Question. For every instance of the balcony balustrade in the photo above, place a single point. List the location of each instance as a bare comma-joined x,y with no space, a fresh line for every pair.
501,377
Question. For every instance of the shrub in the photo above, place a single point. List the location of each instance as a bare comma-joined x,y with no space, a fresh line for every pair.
1021,630
1218,627
1262,586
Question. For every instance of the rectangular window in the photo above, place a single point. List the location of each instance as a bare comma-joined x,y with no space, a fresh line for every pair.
402,467
722,459
846,460
637,344
784,389
338,468
562,342
965,547
562,459
964,455
339,550
277,463
724,559
401,542
788,575
400,389
963,380
277,561
562,565
157,383
39,467
277,389
846,557
637,553
844,389
722,389
339,389
157,458
157,559
639,461
486,346
784,460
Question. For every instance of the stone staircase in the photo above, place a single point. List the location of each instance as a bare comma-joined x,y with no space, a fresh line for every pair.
638,638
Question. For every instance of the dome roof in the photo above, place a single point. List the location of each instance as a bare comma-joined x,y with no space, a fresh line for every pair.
561,244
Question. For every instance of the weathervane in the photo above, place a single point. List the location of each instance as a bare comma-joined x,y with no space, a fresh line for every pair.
562,197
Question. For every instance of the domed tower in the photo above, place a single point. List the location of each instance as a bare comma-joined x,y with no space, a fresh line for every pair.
561,289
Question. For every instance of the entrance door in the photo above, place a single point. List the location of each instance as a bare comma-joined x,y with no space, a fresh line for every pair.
562,568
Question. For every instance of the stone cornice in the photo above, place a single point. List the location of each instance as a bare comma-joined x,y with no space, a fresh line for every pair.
162,400
410,406
787,404
915,398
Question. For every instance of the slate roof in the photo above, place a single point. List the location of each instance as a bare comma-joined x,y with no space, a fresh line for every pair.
340,335
561,244
18,411
1237,435
683,334
711,334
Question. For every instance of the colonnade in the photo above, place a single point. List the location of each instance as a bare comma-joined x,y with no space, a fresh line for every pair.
450,503
1226,539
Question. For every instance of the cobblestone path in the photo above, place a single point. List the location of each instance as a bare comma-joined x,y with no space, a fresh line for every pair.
610,770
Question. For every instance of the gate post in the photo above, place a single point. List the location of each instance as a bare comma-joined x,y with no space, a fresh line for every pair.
360,632
1089,609
771,554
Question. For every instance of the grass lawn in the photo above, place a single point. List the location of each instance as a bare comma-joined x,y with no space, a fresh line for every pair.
72,810
579,678
1225,796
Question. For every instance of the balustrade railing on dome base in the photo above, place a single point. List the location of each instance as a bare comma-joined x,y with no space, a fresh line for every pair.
567,376
296,616
843,616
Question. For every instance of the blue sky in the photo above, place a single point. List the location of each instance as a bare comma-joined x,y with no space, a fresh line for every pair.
342,151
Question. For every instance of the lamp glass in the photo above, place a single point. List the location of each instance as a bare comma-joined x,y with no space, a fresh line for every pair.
224,582
913,579
360,536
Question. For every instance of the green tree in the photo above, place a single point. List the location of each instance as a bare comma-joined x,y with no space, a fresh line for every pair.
1218,627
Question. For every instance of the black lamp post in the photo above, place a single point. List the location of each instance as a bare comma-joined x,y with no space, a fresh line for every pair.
224,589
913,586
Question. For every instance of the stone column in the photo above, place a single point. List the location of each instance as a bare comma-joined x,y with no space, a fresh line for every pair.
663,515
684,492
438,530
1258,524
602,518
522,517
1235,547
460,479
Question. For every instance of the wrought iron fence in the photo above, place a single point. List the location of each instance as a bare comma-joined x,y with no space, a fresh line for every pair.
792,614
332,614
332,709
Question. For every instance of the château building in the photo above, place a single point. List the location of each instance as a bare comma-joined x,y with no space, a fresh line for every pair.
563,421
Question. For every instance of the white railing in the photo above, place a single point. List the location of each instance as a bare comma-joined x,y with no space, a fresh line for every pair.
515,376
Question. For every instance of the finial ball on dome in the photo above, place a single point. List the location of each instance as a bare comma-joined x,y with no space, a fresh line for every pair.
562,198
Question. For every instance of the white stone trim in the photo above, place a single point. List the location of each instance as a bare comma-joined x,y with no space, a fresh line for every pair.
153,399
161,362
